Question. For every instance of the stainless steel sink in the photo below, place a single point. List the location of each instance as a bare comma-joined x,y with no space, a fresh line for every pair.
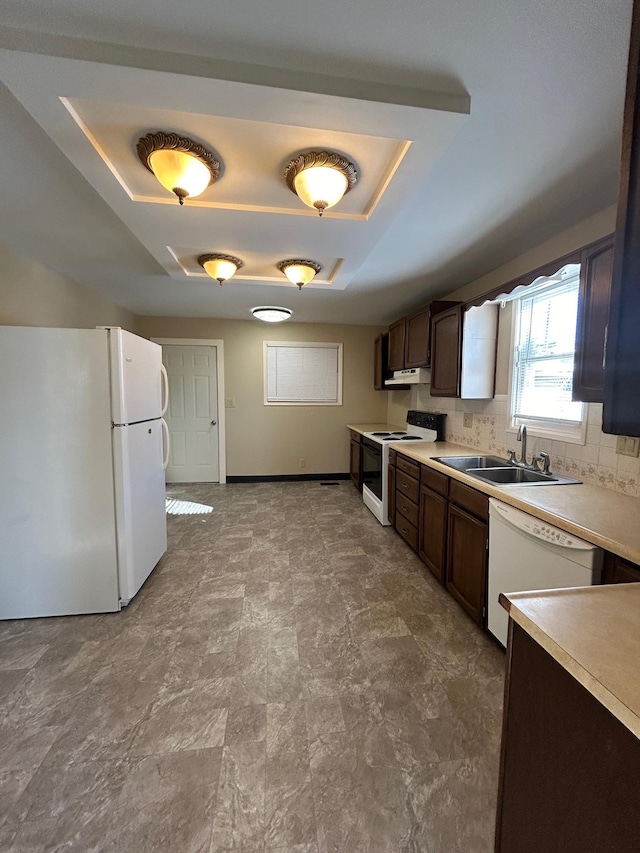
464,463
501,472
510,475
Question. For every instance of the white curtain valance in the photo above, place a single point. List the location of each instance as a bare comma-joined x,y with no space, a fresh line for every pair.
565,273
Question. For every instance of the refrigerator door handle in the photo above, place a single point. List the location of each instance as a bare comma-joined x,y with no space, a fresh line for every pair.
167,443
165,388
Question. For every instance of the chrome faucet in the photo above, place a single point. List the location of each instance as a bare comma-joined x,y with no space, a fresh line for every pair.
522,436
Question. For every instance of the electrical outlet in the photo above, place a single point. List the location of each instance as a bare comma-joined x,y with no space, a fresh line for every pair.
467,420
230,403
303,463
626,446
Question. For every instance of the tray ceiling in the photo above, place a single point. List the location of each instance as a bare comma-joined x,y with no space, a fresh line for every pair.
481,131
96,114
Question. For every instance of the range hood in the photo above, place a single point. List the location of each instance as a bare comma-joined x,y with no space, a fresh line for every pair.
410,376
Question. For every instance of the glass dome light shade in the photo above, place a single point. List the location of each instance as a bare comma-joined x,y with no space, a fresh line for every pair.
220,269
271,313
320,187
179,172
299,271
299,274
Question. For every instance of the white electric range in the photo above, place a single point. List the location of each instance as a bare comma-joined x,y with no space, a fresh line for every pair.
421,426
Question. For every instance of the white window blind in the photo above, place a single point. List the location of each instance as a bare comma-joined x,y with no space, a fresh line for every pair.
544,355
303,373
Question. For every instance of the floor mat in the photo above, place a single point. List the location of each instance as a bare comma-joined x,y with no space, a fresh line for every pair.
175,507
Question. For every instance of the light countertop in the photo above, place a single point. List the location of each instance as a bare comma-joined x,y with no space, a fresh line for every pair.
594,633
600,516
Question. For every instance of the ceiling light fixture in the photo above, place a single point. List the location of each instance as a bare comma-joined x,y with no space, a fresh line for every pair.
299,271
182,166
320,178
220,267
271,313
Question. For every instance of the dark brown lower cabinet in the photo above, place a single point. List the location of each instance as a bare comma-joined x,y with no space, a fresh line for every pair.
407,530
432,529
446,522
570,771
617,570
407,497
391,492
466,574
355,464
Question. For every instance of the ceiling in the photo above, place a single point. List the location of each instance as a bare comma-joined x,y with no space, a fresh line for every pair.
478,130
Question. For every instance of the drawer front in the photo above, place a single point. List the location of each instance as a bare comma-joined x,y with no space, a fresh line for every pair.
435,480
407,486
408,531
473,501
392,456
407,508
409,467
355,436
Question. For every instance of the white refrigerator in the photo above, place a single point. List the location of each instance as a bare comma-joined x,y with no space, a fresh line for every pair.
82,488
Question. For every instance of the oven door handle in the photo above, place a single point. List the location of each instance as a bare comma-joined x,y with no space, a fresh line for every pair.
373,446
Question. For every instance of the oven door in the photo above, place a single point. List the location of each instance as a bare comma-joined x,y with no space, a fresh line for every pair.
372,467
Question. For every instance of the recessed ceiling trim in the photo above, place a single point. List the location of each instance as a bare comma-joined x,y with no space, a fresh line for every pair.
198,201
66,102
251,208
403,147
188,268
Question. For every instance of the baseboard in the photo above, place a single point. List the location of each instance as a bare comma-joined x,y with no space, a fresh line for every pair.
284,478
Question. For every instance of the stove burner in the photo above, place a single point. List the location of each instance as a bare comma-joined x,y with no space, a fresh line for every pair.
411,438
380,433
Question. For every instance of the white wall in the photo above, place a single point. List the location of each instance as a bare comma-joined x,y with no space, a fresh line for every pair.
271,440
32,295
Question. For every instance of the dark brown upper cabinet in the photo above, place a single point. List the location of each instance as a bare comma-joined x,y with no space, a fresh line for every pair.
397,333
410,337
593,320
417,338
621,413
380,361
446,352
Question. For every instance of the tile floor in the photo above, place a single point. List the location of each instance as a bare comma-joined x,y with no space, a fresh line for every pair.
290,678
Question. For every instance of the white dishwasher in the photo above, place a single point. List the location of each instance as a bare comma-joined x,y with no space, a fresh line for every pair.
526,553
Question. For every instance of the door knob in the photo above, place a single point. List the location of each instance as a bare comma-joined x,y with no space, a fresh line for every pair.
213,423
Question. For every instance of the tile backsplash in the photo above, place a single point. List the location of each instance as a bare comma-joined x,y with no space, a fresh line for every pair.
595,462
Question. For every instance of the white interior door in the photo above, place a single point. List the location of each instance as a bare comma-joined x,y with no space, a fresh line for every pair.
192,416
